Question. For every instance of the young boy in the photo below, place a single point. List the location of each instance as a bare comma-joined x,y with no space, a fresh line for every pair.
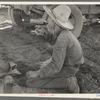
67,54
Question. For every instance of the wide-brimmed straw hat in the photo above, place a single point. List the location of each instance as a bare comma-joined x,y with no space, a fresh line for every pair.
60,14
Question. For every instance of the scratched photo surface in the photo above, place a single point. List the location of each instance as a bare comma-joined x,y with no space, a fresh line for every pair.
24,47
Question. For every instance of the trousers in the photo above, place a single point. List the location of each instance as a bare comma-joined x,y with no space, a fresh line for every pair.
57,83
64,79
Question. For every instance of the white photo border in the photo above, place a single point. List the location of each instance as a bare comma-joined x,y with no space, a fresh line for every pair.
85,96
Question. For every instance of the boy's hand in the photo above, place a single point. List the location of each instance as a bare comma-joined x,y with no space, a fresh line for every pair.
32,74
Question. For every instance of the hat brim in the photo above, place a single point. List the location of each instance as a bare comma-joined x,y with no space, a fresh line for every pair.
67,25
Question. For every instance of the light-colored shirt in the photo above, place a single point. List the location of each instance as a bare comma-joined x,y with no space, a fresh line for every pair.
66,51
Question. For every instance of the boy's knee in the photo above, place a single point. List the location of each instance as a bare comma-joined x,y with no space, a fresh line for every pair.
73,85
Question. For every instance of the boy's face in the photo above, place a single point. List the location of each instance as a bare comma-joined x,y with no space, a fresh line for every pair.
52,26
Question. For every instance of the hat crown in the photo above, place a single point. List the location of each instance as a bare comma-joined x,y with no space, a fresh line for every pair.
62,13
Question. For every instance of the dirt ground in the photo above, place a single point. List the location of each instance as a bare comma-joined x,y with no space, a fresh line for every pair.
19,46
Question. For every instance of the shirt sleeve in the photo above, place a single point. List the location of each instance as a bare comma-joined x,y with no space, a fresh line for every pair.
58,57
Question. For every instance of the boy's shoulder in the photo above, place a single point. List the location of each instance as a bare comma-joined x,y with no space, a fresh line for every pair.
64,36
66,33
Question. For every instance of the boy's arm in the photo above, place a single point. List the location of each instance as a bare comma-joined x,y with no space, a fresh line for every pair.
58,57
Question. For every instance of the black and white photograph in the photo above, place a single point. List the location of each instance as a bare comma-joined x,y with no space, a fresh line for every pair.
49,48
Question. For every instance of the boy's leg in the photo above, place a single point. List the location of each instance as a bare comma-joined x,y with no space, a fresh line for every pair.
70,83
73,85
37,82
